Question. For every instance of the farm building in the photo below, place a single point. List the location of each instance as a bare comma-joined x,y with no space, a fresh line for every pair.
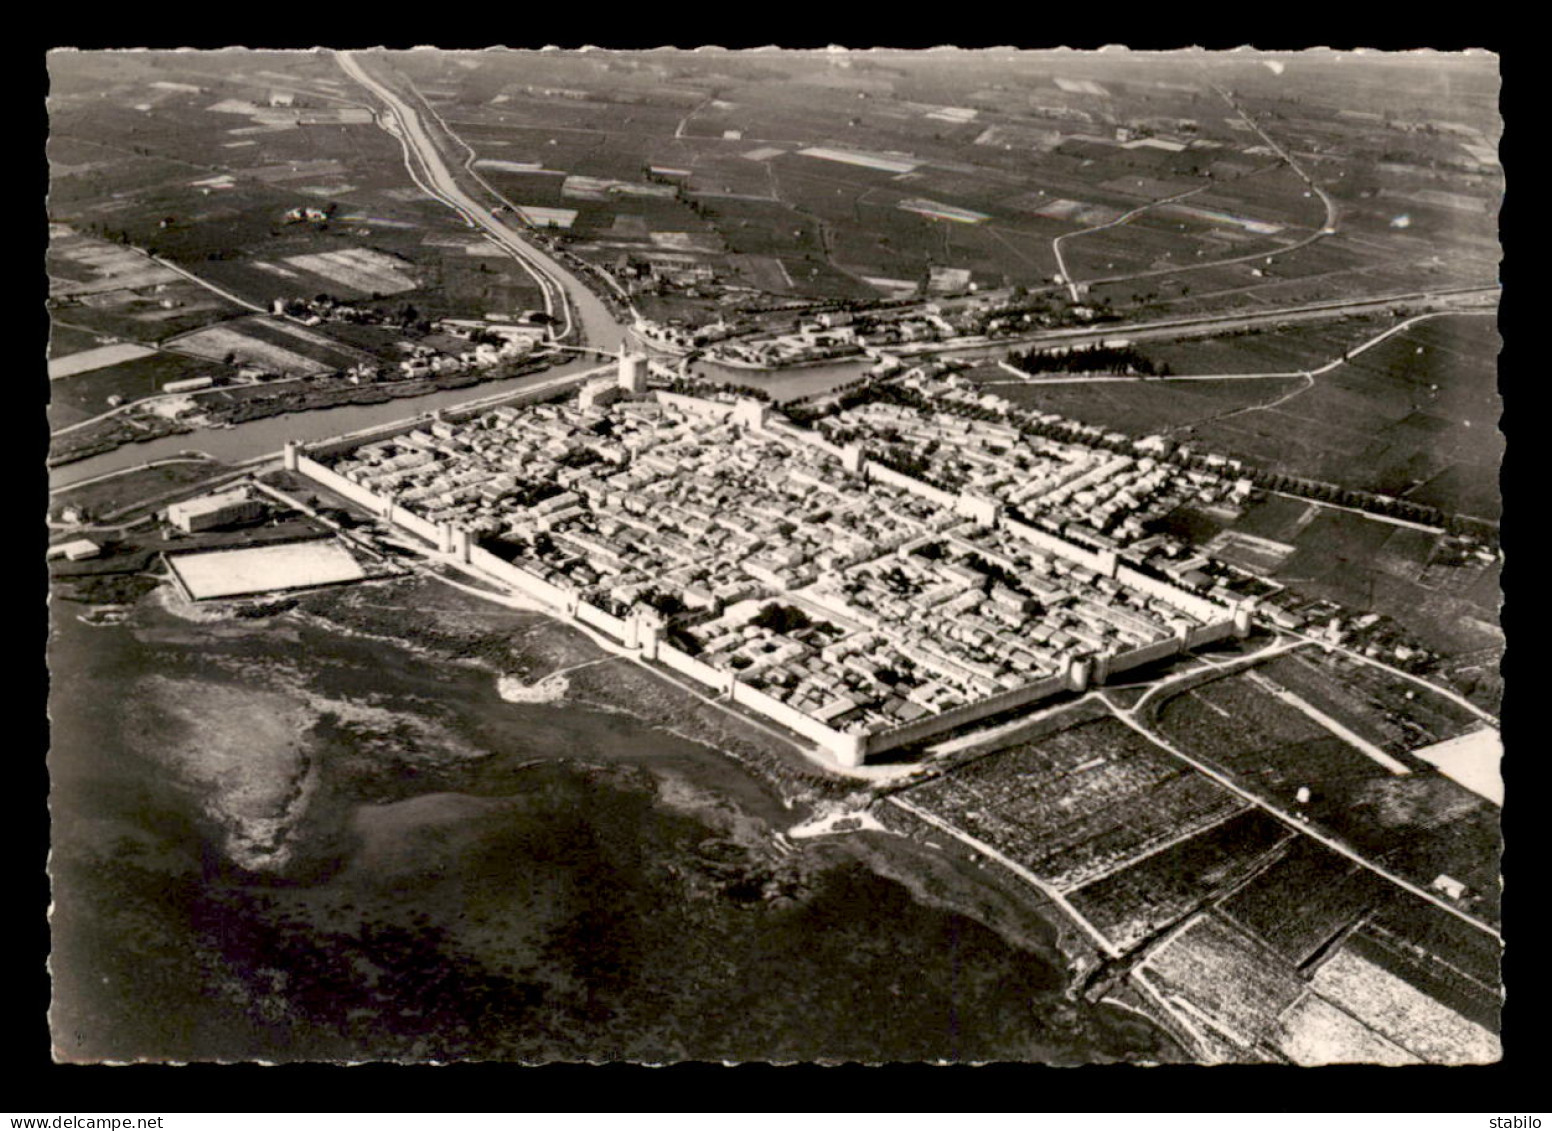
188,385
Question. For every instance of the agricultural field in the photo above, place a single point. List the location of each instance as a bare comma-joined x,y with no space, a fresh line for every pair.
318,344
1301,346
1432,936
1422,824
80,397
1391,1006
1276,518
107,498
1256,555
1313,1032
1149,895
99,358
107,290
1389,712
1347,1008
469,286
146,316
80,265
880,168
1267,745
1366,564
1224,973
352,272
900,165
65,340
205,174
1476,1000
1072,806
1415,417
185,157
268,343
1305,900
1143,408
1444,599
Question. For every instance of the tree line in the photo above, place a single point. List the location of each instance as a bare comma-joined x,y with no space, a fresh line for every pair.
1095,359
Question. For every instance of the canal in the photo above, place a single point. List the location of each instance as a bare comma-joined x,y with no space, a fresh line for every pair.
255,438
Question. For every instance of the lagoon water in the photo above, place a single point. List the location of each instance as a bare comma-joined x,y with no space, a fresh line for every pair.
273,841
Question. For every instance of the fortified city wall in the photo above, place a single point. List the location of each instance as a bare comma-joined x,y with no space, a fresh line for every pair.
932,725
847,749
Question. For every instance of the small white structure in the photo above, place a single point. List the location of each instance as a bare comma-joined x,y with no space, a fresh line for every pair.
76,551
213,511
749,413
1449,886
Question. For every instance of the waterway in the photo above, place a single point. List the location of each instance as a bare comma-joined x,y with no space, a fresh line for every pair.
600,329
787,384
255,438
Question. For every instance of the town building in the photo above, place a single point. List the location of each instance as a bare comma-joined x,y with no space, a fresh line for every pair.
858,606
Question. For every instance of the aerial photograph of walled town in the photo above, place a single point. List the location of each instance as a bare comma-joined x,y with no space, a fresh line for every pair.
774,556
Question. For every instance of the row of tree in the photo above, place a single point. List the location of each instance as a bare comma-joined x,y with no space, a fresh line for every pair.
694,387
1094,359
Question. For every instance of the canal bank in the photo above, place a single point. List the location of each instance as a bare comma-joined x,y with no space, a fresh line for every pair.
255,438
